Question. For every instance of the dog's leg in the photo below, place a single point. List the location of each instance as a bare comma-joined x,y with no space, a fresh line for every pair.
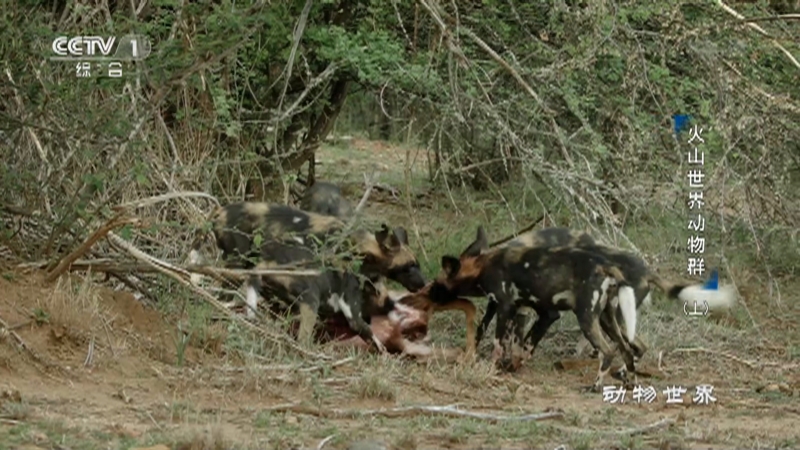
491,310
309,305
505,333
252,294
609,323
546,318
590,325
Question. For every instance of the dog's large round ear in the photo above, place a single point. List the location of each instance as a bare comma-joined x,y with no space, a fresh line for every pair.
401,235
381,235
481,243
450,265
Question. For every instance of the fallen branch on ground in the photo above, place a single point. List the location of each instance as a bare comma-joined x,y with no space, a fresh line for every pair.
5,329
449,410
62,266
663,423
182,276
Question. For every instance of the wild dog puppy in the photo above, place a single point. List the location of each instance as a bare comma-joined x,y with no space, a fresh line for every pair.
546,237
326,199
549,280
330,292
238,226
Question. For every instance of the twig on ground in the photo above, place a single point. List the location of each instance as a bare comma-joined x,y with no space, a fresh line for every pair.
4,328
65,262
750,364
182,276
449,410
11,421
645,429
325,441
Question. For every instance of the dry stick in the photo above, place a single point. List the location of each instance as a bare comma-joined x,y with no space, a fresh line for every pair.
771,18
750,364
761,31
181,276
164,197
4,328
63,265
524,230
298,34
645,429
325,441
449,410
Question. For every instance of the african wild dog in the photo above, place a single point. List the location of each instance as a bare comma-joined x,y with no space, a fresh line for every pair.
546,237
326,199
332,291
642,279
548,280
237,227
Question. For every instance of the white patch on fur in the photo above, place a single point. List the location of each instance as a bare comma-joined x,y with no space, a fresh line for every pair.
514,292
648,300
299,240
565,298
297,219
338,304
195,259
627,303
608,282
527,265
595,298
718,300
251,298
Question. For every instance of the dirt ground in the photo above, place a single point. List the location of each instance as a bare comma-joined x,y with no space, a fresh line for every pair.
98,370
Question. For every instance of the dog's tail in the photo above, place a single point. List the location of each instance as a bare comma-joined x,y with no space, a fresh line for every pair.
715,298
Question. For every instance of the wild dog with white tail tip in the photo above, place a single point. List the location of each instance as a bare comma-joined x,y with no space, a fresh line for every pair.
642,279
548,280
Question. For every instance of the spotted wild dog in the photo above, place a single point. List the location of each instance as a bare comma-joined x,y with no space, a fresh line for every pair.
642,280
326,198
545,237
332,291
239,226
636,272
549,280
